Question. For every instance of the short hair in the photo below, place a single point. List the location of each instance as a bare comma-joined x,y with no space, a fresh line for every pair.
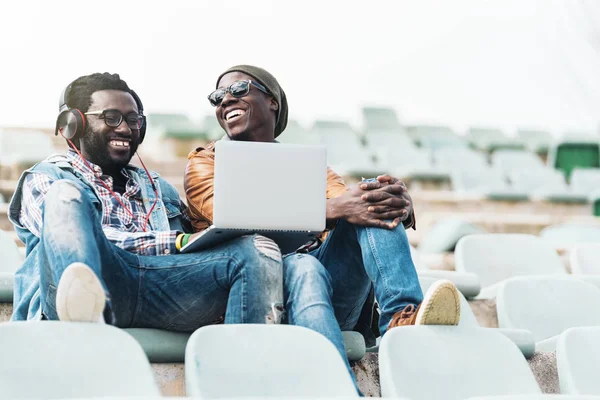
80,94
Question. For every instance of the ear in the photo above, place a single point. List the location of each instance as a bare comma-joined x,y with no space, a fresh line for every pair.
274,106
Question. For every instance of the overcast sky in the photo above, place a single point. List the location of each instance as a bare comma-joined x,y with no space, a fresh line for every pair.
505,63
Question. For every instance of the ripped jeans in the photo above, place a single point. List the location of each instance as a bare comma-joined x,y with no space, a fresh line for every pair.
241,279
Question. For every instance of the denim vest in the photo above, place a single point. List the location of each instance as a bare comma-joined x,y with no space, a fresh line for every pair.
165,216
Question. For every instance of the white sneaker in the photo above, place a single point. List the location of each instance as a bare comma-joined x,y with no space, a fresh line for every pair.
80,295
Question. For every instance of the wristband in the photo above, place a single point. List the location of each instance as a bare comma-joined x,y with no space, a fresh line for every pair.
185,239
178,241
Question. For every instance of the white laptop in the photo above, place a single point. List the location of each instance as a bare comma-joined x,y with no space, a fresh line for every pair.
275,189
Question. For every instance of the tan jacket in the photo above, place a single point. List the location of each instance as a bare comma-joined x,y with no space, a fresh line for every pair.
199,187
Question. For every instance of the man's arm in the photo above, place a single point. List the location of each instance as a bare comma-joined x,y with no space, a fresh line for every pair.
388,200
199,190
36,187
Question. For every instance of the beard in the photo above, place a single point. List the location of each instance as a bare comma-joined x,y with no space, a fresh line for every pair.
97,149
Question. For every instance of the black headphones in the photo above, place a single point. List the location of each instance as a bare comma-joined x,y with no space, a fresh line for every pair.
71,122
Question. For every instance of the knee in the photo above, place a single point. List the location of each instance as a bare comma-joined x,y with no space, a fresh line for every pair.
305,270
261,256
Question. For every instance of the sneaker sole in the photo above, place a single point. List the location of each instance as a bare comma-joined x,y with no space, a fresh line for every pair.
80,295
441,305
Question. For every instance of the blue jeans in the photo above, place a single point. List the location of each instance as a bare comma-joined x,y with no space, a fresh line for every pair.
241,279
356,258
307,292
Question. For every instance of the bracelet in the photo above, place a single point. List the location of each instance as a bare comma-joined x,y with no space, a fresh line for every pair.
185,239
178,241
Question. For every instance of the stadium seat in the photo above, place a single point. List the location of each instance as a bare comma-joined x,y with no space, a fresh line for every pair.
434,137
52,359
345,152
491,139
451,363
509,161
538,141
496,257
450,158
585,259
396,154
21,149
585,180
380,118
444,235
547,306
264,360
521,337
570,234
163,346
570,153
486,182
11,261
543,183
296,134
577,360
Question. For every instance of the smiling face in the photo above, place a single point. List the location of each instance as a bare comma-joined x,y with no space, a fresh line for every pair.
111,148
248,118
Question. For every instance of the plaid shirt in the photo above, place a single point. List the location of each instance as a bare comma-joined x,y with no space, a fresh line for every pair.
118,225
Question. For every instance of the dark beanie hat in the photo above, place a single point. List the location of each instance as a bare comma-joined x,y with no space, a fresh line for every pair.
268,81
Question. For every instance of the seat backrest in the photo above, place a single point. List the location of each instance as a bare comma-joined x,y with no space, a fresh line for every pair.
451,363
545,180
577,360
567,155
467,318
264,360
297,134
536,140
509,160
380,118
475,180
52,359
459,158
567,234
547,306
498,256
585,180
585,259
11,258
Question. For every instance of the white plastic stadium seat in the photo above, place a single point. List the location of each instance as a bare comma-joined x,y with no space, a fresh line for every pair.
547,306
53,359
451,363
495,257
521,337
577,360
250,360
585,259
508,161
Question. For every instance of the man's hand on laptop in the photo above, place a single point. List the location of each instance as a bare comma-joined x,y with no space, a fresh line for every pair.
382,203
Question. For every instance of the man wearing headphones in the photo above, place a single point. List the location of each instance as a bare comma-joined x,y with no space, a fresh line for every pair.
103,236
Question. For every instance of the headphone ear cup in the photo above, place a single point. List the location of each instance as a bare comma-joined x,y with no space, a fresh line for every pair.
71,124
142,131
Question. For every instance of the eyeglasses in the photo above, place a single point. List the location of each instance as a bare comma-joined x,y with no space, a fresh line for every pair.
113,118
237,89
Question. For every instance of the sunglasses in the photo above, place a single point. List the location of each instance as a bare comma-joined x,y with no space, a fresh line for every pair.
114,118
237,89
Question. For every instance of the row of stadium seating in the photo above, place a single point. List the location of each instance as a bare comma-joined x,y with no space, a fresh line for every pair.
78,360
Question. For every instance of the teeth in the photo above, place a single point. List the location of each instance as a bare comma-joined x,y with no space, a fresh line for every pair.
234,113
119,143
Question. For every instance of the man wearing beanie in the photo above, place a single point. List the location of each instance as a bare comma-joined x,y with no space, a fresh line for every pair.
326,287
